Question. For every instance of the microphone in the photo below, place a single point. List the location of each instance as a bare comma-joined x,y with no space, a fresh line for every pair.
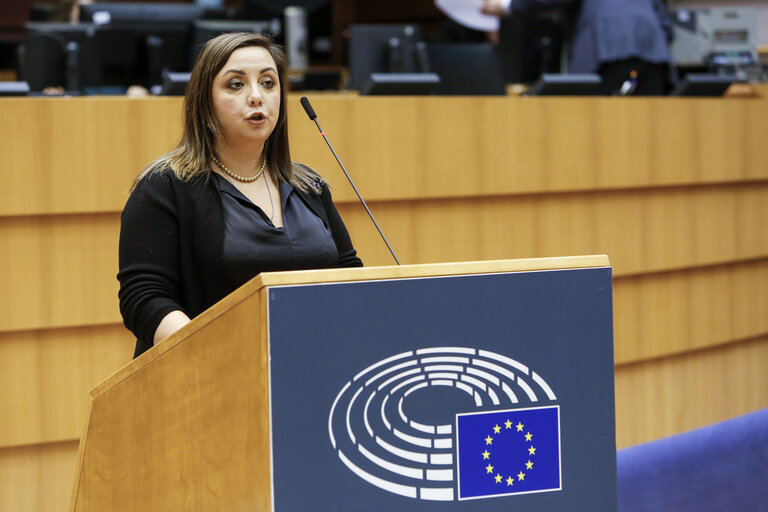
308,109
311,113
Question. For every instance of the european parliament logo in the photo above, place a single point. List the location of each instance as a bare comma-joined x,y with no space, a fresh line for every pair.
502,437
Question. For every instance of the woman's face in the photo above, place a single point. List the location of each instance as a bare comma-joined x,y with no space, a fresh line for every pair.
246,97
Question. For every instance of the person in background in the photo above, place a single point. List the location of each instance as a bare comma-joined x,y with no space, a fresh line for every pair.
68,10
227,203
626,42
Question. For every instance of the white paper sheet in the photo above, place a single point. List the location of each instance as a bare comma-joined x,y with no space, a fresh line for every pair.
467,13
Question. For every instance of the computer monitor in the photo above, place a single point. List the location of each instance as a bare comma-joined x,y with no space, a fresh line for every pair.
382,49
694,84
175,83
466,68
60,55
400,84
151,16
143,39
586,84
205,30
315,80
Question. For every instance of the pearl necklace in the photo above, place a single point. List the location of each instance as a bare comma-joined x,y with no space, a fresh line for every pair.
243,178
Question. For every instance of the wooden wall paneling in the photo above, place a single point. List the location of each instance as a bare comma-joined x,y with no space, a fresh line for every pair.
515,145
647,230
87,152
748,301
673,312
751,212
662,397
79,155
60,271
762,88
37,478
45,376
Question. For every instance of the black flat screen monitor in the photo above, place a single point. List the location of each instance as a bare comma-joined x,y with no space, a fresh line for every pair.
315,80
381,49
143,39
205,30
703,85
400,84
174,83
149,15
61,55
466,68
587,84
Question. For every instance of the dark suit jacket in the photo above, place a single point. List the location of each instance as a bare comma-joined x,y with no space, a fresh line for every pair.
610,30
171,250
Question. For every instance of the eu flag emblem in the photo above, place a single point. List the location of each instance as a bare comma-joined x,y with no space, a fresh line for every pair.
515,451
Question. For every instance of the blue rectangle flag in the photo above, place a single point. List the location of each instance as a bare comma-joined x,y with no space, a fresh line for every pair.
515,451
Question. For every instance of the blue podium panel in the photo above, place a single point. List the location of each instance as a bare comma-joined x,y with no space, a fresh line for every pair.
468,393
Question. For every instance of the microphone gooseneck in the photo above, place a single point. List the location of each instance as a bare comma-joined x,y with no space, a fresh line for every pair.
311,113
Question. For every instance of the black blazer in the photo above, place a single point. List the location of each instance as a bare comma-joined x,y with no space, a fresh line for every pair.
171,247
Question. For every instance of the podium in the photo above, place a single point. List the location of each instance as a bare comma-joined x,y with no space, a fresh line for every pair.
463,386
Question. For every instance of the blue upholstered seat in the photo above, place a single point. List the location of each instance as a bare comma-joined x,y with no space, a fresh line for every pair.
721,467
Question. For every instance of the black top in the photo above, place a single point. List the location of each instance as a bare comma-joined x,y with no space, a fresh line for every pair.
252,243
172,249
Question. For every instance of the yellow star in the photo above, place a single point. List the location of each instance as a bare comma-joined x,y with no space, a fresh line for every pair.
528,436
510,481
489,440
486,454
489,468
498,478
497,429
532,450
519,426
508,424
521,476
528,465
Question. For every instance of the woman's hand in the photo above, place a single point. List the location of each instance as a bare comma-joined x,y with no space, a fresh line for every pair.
170,323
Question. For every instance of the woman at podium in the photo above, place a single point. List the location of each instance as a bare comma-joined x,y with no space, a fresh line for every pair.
227,203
